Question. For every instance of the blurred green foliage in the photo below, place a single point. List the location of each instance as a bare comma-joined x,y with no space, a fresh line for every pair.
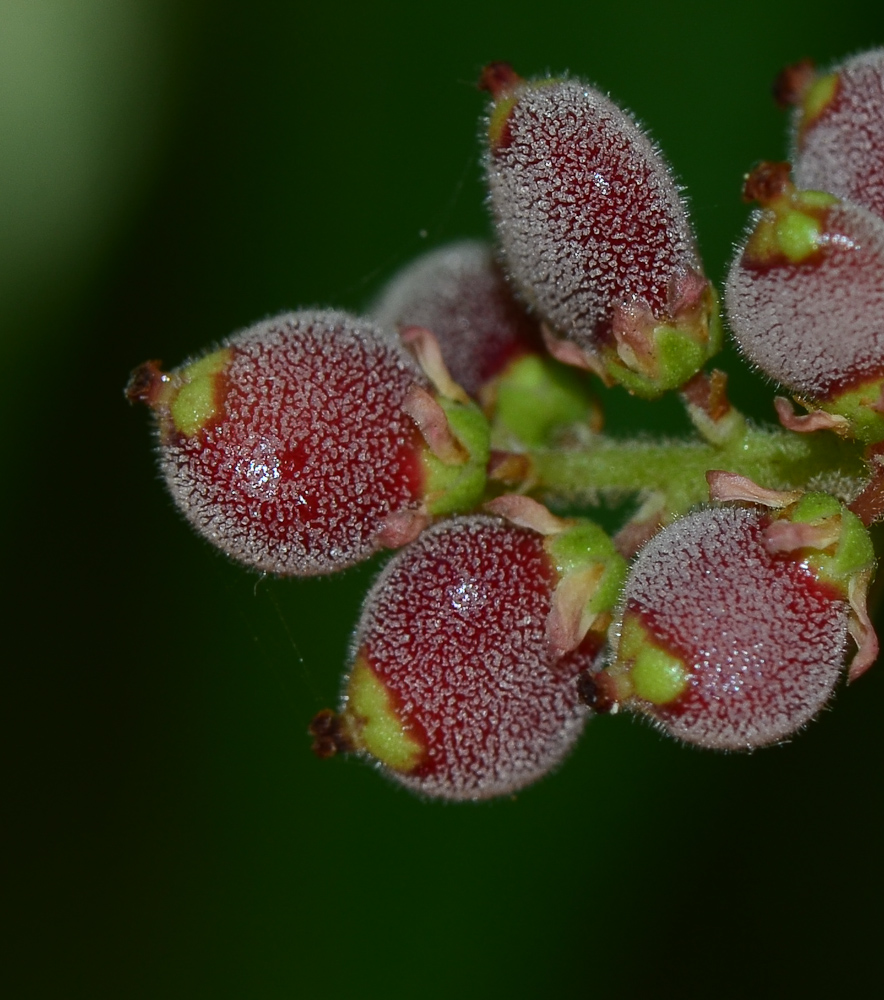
170,172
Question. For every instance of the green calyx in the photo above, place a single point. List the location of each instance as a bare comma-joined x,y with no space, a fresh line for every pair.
850,551
655,675
862,408
536,395
195,400
667,355
453,487
586,547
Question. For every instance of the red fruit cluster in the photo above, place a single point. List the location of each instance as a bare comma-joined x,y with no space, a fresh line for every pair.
314,439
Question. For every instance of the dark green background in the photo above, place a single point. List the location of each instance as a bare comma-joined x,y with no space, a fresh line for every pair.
170,172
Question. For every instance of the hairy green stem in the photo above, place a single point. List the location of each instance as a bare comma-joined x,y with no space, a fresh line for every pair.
676,470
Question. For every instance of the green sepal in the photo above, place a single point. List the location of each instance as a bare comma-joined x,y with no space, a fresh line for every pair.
535,395
585,545
453,489
858,407
853,551
678,352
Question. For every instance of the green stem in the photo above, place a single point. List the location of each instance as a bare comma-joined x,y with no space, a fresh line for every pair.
676,470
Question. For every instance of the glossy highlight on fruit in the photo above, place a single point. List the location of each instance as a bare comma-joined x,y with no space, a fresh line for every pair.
454,688
290,447
594,233
725,640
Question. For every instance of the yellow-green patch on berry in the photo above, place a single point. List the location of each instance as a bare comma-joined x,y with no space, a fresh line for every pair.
196,401
372,724
498,121
817,98
657,676
791,228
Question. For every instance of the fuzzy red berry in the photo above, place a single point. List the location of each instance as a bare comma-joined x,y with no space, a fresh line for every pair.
295,447
489,343
805,299
734,623
459,293
838,130
595,234
457,688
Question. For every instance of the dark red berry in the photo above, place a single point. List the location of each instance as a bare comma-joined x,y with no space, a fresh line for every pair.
805,300
489,343
734,625
456,688
838,131
459,293
596,236
290,447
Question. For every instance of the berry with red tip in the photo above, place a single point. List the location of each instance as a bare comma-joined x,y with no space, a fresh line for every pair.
805,299
296,447
838,129
734,622
595,234
456,688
